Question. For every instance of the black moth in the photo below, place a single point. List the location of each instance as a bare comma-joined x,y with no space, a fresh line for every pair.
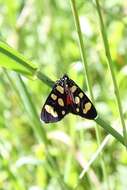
66,97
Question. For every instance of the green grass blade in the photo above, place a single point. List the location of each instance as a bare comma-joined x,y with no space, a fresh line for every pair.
110,64
44,79
39,131
110,130
82,49
94,156
12,59
31,110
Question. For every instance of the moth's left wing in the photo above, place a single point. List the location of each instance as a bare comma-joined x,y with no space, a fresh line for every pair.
55,107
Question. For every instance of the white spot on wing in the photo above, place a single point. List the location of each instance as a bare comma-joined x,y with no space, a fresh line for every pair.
81,95
87,107
60,89
77,100
73,89
50,110
53,96
63,112
60,102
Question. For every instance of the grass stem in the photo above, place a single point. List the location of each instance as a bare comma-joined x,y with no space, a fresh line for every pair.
110,64
83,55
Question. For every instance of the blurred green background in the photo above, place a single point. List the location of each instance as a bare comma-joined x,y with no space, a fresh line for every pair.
35,156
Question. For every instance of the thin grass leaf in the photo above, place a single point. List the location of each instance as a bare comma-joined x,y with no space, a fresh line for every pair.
110,130
92,159
110,64
82,49
39,131
94,156
12,59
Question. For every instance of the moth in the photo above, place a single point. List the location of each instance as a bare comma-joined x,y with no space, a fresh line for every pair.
67,97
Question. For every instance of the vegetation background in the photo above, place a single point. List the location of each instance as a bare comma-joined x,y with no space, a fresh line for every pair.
64,155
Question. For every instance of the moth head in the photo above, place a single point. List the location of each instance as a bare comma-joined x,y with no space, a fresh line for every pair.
65,80
65,77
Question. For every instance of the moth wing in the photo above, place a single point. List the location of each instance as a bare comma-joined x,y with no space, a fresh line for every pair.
54,108
81,104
